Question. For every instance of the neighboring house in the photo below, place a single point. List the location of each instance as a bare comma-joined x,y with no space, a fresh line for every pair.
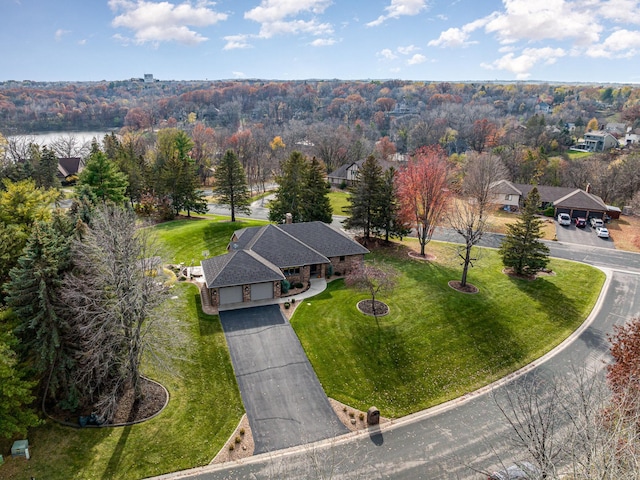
543,107
507,194
574,201
69,166
632,139
597,141
260,258
347,174
615,128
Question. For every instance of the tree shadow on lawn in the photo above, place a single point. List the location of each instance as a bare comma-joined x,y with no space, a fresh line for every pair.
550,299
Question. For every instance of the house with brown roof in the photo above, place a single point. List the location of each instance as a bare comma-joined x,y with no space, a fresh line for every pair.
574,201
260,259
69,166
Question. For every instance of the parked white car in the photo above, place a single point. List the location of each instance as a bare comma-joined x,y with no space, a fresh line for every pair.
596,222
564,219
602,232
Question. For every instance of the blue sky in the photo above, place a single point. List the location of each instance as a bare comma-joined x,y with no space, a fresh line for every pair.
453,40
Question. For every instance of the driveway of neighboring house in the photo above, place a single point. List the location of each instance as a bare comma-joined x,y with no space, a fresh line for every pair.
285,402
583,236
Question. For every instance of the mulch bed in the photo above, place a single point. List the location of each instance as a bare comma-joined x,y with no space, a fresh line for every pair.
366,307
543,273
154,399
429,257
468,288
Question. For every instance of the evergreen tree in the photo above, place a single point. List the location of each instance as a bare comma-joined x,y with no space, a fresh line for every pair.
45,164
289,196
230,185
33,294
180,179
103,177
15,393
521,248
365,198
388,221
316,205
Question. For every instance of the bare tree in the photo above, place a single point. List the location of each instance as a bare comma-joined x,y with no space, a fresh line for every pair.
111,296
68,146
374,279
569,426
469,214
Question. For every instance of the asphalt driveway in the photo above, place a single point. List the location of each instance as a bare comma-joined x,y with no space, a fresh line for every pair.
583,236
284,400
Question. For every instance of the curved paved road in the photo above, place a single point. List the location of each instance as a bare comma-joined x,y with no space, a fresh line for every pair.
464,436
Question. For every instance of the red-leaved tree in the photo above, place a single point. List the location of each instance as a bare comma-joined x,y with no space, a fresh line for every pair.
623,375
423,191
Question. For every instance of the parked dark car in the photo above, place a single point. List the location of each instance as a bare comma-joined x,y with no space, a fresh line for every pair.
581,222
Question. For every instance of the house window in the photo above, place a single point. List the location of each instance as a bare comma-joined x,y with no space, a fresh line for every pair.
291,271
507,197
342,258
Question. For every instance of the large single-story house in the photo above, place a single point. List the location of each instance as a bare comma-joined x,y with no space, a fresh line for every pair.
574,201
259,259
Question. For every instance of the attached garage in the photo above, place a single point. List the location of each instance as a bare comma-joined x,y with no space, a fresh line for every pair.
262,291
230,295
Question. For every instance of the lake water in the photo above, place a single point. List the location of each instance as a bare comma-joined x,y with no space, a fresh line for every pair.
48,137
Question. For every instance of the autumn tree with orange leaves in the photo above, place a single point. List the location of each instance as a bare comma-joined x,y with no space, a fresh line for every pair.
423,191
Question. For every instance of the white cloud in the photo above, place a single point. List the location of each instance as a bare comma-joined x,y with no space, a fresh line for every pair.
407,50
459,37
620,44
273,17
621,11
522,64
239,74
417,59
546,20
235,42
399,8
155,22
323,42
60,33
387,54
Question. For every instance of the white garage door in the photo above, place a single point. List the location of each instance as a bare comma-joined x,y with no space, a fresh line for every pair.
230,295
261,291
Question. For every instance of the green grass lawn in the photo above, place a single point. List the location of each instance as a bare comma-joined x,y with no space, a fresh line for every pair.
204,409
575,155
437,344
186,240
338,201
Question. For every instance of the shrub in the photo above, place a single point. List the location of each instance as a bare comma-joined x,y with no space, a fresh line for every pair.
238,439
548,212
231,447
242,431
337,274
298,285
285,285
361,416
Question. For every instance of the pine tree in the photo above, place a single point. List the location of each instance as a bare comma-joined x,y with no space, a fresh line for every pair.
15,393
316,205
388,221
289,196
365,198
45,168
521,248
230,185
33,294
103,177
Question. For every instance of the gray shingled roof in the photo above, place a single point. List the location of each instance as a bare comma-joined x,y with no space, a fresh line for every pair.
277,246
505,187
579,199
324,239
238,267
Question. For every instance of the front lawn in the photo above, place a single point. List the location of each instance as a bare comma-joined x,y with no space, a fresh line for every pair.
204,409
339,200
186,240
438,344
